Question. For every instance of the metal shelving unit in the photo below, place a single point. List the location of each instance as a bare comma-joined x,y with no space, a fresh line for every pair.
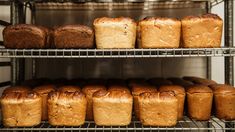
116,53
184,125
18,57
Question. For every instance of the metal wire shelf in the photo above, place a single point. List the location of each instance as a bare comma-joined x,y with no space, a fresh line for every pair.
116,53
183,125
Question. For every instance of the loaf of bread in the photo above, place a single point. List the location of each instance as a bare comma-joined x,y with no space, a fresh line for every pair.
119,88
200,81
43,92
74,36
115,32
25,36
136,91
157,32
199,102
112,107
21,109
66,108
202,31
69,88
158,109
179,94
89,90
16,89
224,101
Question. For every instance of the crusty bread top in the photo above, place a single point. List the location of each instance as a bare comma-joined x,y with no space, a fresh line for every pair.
118,88
57,95
44,89
18,89
198,80
92,88
26,27
16,97
112,95
164,19
74,27
104,20
177,89
138,89
198,89
158,96
222,88
69,88
205,16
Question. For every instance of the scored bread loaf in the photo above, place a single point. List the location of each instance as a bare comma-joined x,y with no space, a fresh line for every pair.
21,109
25,36
115,32
199,102
158,32
224,101
73,36
179,94
66,108
202,31
137,89
112,107
43,91
158,109
89,90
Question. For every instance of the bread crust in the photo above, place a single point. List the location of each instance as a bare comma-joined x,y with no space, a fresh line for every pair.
158,109
74,36
159,32
25,36
114,103
21,109
66,108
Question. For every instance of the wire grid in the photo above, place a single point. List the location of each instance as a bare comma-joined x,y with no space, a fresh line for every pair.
116,53
183,125
116,5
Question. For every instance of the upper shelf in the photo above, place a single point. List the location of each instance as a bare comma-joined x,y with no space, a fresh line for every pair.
116,53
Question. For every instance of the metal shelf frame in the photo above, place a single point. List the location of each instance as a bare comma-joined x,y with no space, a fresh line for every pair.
186,124
116,53
18,55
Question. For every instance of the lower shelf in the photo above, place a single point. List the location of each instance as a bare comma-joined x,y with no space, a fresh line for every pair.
183,125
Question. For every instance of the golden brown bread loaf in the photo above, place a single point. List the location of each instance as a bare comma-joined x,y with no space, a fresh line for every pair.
25,36
224,101
158,32
202,31
17,89
74,36
89,90
43,92
69,88
112,107
158,109
179,94
66,108
199,102
115,32
136,91
21,109
119,88
200,81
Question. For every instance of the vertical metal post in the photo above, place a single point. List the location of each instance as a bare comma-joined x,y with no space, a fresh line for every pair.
208,60
17,65
228,15
229,73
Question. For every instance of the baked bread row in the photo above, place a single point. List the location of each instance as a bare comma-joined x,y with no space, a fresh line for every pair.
156,32
68,106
